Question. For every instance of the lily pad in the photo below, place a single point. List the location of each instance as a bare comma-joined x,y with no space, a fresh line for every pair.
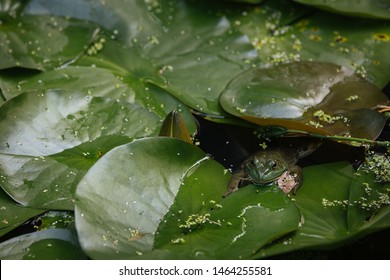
167,204
311,96
13,214
283,32
43,42
336,205
146,33
55,240
98,82
120,223
366,8
51,244
50,139
233,228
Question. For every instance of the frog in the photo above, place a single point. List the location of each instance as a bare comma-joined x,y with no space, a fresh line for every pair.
272,165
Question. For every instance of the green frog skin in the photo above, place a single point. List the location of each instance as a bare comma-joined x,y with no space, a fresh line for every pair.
268,166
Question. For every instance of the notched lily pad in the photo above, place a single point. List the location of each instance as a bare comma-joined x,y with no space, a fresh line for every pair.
165,201
144,178
312,96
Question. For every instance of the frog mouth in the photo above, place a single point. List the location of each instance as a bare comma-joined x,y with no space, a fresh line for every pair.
266,176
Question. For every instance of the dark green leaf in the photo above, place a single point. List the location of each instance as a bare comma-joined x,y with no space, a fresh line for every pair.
144,179
165,202
13,214
311,96
233,228
52,244
55,240
98,82
150,56
50,139
283,32
335,207
43,42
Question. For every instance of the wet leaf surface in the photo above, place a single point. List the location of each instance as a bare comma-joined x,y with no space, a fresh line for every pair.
283,32
13,214
146,33
127,219
78,85
311,96
341,207
55,240
50,139
43,42
167,203
189,219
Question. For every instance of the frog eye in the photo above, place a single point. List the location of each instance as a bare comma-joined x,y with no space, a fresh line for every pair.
254,163
272,164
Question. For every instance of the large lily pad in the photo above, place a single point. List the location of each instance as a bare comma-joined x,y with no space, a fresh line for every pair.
167,203
164,203
50,139
320,97
120,223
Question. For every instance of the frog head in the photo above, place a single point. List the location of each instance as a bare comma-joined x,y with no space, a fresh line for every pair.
262,170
